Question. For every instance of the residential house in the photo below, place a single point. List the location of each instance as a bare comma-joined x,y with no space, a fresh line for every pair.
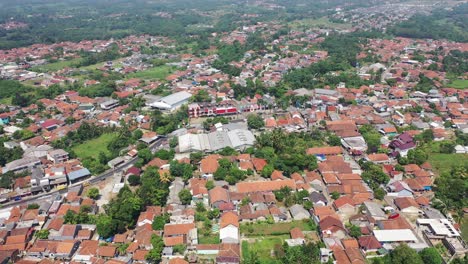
218,195
402,144
298,212
229,228
407,205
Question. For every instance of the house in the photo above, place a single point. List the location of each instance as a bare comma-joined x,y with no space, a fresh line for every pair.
78,174
115,162
379,158
21,164
298,212
345,206
323,152
399,189
374,210
208,166
51,124
109,104
177,261
407,205
331,226
57,156
228,254
229,228
369,244
264,186
4,119
218,195
106,252
297,237
175,234
65,250
318,199
402,144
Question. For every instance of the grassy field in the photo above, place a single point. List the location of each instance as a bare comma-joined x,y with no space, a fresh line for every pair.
160,72
322,22
6,100
92,148
211,239
459,84
263,246
264,229
464,228
444,162
55,66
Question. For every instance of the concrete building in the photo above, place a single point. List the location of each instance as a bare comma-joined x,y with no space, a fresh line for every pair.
172,102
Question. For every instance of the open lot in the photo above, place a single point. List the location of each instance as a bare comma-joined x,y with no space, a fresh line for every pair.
265,229
55,66
322,22
263,246
92,148
459,84
444,162
160,72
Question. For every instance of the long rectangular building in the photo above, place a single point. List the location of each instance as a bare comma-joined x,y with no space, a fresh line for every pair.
214,141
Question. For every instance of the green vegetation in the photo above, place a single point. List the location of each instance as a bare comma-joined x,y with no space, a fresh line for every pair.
266,229
93,147
263,246
441,24
212,238
322,22
286,152
444,162
55,66
121,213
255,121
459,84
156,73
464,228
93,193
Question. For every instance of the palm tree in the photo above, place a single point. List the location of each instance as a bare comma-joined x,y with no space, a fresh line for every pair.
459,216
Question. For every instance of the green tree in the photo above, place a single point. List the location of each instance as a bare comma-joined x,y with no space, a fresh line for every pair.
431,256
154,255
133,180
335,195
267,171
185,196
209,185
334,140
355,231
417,156
255,121
160,221
33,206
252,257
403,254
105,226
145,154
93,193
42,234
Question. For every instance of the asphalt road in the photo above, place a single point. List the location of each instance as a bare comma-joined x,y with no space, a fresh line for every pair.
155,145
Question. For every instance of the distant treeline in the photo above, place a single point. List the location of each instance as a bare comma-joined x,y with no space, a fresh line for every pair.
441,24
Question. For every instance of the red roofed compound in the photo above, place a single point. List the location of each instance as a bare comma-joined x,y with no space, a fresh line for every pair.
264,186
209,165
50,124
186,232
327,151
218,195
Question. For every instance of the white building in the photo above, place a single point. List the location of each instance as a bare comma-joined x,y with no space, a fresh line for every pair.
171,102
